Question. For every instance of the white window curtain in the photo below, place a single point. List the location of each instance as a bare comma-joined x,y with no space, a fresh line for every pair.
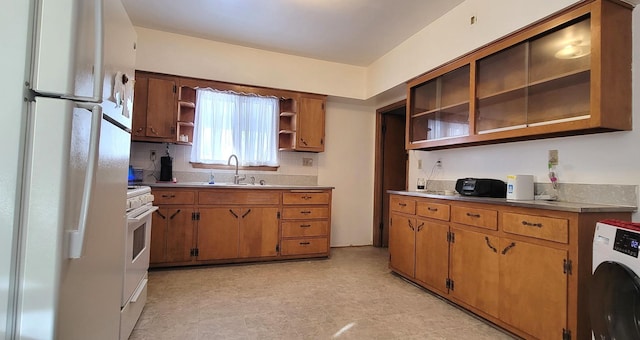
229,123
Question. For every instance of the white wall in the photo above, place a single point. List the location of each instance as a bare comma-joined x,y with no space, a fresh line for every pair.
187,56
346,164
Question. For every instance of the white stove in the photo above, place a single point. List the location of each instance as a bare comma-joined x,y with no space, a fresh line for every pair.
139,208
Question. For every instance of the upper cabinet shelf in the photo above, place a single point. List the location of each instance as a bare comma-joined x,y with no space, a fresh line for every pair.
567,75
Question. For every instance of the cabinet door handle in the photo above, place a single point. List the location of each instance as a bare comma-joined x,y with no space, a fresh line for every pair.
402,204
159,213
305,212
153,130
306,197
232,213
139,130
505,250
304,243
486,238
168,196
420,226
432,209
305,226
473,215
245,214
303,141
529,224
174,214
411,225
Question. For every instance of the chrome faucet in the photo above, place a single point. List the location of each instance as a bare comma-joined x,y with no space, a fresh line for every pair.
236,177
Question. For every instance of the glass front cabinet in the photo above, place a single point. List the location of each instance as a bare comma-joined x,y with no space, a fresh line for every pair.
567,75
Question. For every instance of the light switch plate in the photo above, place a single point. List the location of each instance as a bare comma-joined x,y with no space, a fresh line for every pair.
307,161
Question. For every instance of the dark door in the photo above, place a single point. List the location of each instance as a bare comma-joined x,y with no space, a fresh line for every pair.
391,166
615,302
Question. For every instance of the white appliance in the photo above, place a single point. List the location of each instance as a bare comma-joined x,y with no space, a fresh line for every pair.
64,178
520,187
614,290
136,256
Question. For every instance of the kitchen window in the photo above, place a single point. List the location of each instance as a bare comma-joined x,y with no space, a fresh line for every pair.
229,123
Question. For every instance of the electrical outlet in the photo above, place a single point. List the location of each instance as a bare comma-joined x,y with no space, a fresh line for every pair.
152,155
419,164
553,157
439,164
307,161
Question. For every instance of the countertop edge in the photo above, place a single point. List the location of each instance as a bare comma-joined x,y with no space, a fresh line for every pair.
536,204
231,186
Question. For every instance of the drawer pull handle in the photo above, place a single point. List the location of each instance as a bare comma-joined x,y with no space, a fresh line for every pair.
245,214
505,250
420,226
432,209
402,204
411,225
304,243
306,197
486,238
305,226
174,214
169,196
159,213
305,212
232,213
473,215
529,224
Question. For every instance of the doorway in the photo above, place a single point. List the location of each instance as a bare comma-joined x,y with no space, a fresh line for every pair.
390,166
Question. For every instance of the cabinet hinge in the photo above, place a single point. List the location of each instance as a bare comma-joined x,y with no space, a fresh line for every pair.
451,237
567,266
381,225
175,89
449,284
277,248
566,334
194,252
321,141
195,216
278,215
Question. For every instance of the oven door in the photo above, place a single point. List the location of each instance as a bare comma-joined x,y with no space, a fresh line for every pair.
137,249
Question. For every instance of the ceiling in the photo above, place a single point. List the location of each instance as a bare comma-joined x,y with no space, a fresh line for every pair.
355,32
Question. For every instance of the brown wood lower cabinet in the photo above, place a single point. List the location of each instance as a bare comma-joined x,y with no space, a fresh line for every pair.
222,225
524,269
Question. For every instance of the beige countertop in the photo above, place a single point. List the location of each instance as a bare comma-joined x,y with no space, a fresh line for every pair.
537,204
245,186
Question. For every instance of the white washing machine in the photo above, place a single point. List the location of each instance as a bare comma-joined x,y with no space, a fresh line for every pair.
615,284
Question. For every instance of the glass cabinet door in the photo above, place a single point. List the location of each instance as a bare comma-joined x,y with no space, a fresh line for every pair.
559,74
439,107
540,81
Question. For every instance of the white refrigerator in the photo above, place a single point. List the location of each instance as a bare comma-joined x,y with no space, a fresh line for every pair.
67,116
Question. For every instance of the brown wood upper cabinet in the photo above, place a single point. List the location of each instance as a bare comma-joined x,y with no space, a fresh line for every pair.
154,109
302,123
165,105
567,75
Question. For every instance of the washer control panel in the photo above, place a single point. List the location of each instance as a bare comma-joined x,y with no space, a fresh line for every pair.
627,242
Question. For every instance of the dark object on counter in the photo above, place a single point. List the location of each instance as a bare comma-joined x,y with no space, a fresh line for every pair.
481,187
166,169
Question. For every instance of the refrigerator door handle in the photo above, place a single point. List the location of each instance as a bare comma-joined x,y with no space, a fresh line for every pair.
75,238
98,61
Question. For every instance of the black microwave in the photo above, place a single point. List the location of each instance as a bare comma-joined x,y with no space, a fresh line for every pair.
481,187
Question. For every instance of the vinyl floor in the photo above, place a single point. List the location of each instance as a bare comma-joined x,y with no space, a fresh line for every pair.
352,295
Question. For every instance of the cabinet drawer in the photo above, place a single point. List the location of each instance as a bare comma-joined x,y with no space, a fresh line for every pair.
546,228
292,213
305,246
433,210
247,197
305,228
305,198
476,217
161,197
403,205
